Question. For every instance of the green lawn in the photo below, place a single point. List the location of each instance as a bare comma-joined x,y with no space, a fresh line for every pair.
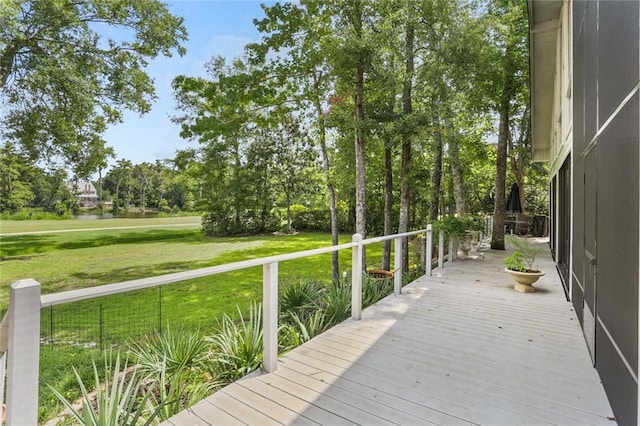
82,259
15,226
69,260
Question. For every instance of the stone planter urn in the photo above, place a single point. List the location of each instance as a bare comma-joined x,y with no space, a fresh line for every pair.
524,280
465,245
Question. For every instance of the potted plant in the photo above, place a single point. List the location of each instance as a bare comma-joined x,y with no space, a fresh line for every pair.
520,265
460,229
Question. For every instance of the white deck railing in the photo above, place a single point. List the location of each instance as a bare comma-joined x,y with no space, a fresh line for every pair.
20,327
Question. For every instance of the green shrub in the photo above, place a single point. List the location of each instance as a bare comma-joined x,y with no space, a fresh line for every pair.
237,347
296,331
523,257
36,214
170,352
116,401
337,303
172,394
301,299
374,289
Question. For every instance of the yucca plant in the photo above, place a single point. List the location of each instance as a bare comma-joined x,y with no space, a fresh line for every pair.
302,298
297,331
117,401
337,304
237,346
177,392
375,289
172,352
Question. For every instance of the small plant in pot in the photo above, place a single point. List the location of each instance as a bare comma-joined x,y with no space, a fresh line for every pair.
459,228
520,265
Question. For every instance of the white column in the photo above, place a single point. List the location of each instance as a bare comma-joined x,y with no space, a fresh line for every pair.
441,249
356,277
429,248
270,316
397,266
23,357
451,249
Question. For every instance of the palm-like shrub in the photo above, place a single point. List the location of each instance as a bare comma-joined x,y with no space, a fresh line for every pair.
172,394
237,346
374,289
337,304
296,331
170,352
116,402
301,299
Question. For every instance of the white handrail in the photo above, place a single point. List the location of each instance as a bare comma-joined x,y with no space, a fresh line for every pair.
20,328
125,286
392,237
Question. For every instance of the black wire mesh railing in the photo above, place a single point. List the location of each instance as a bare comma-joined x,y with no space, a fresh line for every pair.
103,322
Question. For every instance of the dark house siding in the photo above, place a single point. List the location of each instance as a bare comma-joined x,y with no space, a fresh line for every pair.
606,188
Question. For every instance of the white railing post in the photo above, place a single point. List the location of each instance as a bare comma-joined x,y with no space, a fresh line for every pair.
397,266
270,316
356,277
441,249
3,374
4,345
452,248
428,249
23,354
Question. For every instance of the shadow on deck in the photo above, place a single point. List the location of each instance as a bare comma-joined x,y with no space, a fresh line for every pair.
459,347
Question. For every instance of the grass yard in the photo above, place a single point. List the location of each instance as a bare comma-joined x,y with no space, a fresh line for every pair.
68,260
40,226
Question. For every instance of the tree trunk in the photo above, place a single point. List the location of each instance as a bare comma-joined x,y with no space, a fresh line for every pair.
333,210
100,186
115,201
499,213
289,229
517,154
459,192
405,168
388,178
436,176
388,205
361,217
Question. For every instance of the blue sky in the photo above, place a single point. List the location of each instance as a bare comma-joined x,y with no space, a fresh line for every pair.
215,27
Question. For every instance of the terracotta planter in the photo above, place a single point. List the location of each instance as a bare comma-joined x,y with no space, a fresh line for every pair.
524,280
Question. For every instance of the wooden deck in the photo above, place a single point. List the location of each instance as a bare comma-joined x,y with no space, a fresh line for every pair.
459,347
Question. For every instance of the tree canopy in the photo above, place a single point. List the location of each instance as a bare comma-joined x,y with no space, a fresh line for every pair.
68,68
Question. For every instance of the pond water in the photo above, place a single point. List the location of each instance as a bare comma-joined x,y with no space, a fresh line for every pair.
128,215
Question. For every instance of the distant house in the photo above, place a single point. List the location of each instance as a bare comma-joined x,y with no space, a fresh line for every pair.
585,85
85,193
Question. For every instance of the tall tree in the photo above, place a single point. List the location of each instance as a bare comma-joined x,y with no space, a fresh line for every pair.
302,30
507,47
118,176
293,161
62,82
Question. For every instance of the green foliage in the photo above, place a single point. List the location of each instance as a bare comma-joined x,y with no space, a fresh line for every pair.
374,289
237,346
62,83
316,219
172,394
515,262
337,303
301,299
57,369
295,331
174,351
523,258
116,401
35,214
457,226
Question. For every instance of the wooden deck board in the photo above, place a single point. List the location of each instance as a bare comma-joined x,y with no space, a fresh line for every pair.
460,347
